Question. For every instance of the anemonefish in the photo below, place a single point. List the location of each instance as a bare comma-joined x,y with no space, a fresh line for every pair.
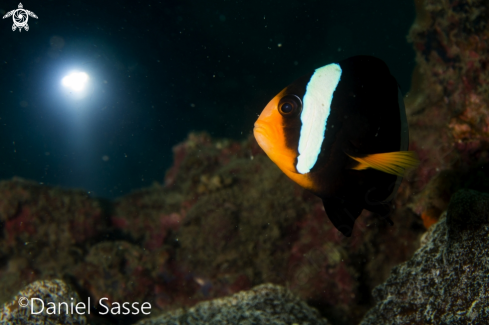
341,132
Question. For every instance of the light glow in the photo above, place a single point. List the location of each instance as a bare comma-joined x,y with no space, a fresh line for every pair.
75,81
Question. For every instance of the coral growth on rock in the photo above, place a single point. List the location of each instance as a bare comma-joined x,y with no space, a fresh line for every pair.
45,231
238,221
264,304
446,280
226,219
448,103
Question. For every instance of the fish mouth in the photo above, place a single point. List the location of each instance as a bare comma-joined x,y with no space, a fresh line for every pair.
257,127
260,131
262,137
261,124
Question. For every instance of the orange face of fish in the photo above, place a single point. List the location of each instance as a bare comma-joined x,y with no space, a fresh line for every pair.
277,134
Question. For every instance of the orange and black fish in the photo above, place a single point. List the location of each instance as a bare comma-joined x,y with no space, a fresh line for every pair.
341,132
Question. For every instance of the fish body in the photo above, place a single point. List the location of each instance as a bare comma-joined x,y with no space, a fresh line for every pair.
341,132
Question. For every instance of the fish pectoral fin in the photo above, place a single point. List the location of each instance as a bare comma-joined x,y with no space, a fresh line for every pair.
394,163
342,214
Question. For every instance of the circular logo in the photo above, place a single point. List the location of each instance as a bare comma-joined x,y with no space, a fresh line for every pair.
20,17
23,302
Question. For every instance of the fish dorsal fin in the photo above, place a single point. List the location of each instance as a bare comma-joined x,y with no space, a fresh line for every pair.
394,163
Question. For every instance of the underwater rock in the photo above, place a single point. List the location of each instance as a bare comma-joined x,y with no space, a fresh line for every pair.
446,280
264,304
229,219
123,271
435,196
49,291
127,266
448,104
44,231
226,219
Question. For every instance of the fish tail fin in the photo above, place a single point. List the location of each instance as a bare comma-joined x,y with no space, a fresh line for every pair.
342,214
394,163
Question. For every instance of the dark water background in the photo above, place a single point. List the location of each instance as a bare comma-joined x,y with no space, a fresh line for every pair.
159,70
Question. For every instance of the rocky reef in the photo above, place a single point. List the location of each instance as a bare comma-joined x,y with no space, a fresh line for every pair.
447,103
264,304
31,304
225,220
45,232
446,280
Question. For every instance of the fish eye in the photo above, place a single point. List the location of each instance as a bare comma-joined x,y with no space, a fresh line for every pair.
290,105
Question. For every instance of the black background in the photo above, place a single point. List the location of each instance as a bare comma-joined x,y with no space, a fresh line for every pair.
159,70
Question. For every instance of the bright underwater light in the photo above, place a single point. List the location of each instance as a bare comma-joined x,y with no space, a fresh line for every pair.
75,81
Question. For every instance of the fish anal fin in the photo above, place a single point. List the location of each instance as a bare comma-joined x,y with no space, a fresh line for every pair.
383,209
394,163
342,214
